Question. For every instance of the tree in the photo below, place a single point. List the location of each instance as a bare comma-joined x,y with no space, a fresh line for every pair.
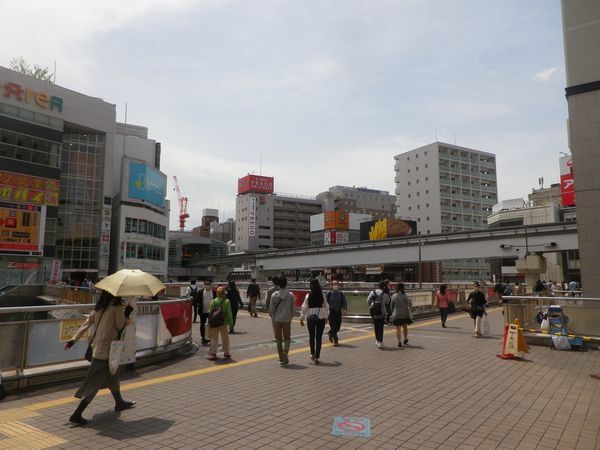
41,73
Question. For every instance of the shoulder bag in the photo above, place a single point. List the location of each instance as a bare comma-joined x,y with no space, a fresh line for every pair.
117,347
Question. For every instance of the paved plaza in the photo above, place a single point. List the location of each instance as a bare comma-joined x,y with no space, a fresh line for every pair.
444,390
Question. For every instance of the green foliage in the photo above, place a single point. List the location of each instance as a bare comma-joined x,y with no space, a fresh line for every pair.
41,73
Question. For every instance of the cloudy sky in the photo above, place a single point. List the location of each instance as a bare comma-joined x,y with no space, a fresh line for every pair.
322,92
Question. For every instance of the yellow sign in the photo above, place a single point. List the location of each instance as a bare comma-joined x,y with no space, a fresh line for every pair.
69,327
20,227
515,340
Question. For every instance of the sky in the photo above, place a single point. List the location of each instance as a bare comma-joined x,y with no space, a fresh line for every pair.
314,93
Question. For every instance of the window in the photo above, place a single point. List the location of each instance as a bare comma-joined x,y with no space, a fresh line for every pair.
417,168
417,181
409,195
427,218
427,191
409,183
418,206
427,206
410,208
408,158
426,166
408,170
417,155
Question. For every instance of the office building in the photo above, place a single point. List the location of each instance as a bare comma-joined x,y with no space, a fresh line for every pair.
186,249
209,216
266,220
361,200
447,188
224,232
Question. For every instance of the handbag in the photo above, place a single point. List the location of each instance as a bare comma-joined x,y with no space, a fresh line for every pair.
486,326
451,307
89,353
117,347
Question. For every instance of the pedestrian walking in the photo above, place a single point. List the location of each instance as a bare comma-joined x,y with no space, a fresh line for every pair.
220,319
402,315
194,292
337,305
107,320
316,311
476,302
499,290
270,291
442,302
207,295
281,310
379,302
235,299
253,295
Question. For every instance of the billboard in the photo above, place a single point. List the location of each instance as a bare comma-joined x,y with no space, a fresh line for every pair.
336,220
252,217
387,228
255,183
21,227
146,184
332,237
567,184
16,187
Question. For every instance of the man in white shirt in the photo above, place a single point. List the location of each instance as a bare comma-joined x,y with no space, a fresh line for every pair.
208,294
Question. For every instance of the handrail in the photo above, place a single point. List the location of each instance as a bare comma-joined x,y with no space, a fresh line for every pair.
18,309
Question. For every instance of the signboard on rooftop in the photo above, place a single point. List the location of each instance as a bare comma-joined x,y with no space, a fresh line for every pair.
255,183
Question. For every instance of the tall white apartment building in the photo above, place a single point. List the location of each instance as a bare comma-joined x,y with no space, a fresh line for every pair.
447,188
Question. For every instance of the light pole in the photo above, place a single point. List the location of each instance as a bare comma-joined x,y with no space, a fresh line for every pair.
420,262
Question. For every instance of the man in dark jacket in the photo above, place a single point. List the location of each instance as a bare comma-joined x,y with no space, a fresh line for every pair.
337,304
252,294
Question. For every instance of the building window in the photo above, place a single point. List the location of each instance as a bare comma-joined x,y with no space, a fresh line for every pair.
417,181
426,166
410,208
408,158
427,206
408,170
427,191
418,206
417,168
427,218
409,195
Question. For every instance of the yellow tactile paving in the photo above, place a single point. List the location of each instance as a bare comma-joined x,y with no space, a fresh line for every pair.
22,436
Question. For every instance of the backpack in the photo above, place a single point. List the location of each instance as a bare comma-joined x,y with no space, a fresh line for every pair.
196,295
507,290
376,307
216,318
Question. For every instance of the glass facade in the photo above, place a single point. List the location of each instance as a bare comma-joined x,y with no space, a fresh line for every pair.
81,199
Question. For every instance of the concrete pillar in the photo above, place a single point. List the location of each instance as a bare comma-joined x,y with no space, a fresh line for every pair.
581,29
532,266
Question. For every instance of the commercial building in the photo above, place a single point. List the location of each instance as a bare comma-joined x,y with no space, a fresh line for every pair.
186,250
336,227
361,200
57,182
209,216
267,220
581,37
447,188
224,231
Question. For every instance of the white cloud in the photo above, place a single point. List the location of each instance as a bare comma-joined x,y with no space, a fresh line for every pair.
545,75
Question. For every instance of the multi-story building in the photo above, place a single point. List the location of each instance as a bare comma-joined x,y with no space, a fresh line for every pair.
447,188
209,216
360,200
186,249
140,213
224,232
267,220
57,181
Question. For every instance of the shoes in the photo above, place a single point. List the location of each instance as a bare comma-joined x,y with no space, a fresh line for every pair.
405,341
331,339
205,342
78,420
399,344
478,334
122,406
316,361
379,344
443,325
231,332
212,357
227,355
336,343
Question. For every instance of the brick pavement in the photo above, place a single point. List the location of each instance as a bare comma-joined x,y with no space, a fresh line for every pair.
445,390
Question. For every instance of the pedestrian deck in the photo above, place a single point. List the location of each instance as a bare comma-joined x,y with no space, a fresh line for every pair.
444,390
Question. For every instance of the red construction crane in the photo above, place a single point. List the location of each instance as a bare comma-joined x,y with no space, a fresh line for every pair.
183,214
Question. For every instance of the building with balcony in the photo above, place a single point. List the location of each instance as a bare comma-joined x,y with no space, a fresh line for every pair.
360,200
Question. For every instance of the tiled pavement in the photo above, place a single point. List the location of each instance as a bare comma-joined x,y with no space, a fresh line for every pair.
445,390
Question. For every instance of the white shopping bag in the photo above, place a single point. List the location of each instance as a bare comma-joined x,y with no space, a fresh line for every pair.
486,326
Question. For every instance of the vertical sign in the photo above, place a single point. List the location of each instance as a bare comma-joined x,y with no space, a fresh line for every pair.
55,271
252,216
567,185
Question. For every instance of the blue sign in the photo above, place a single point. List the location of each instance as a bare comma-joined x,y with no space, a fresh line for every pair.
147,184
351,426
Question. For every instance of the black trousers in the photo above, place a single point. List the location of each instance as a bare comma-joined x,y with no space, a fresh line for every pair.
234,312
335,323
195,306
315,333
203,319
444,314
378,325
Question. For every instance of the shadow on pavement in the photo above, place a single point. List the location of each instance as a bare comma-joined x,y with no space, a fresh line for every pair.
293,366
418,347
329,364
346,346
111,425
390,349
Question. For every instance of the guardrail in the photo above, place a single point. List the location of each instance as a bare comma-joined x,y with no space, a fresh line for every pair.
35,347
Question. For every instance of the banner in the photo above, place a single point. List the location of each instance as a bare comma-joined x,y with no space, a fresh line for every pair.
567,184
387,228
16,187
146,184
22,227
55,271
178,317
255,183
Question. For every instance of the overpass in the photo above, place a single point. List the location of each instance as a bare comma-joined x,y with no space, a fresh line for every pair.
509,242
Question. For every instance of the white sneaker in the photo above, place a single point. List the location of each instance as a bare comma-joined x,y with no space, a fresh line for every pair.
379,344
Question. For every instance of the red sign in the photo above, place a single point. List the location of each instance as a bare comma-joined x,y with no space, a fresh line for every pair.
178,317
567,185
255,183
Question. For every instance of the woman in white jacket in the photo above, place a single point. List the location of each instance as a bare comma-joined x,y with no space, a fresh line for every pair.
315,310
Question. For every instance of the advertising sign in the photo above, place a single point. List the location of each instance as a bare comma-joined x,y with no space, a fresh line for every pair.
387,228
332,237
252,216
567,185
21,227
146,184
336,220
16,187
55,271
255,183
40,99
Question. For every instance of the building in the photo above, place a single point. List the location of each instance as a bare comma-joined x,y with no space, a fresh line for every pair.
360,200
336,227
224,232
447,188
545,196
267,220
187,249
209,216
140,213
581,37
60,171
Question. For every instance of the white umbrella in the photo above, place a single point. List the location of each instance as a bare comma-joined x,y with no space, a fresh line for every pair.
131,283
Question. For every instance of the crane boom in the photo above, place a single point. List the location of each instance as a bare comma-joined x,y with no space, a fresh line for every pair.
183,214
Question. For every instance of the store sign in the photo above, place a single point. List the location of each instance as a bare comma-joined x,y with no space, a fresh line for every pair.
21,227
255,183
252,217
332,237
16,187
29,96
146,184
387,228
336,220
567,184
